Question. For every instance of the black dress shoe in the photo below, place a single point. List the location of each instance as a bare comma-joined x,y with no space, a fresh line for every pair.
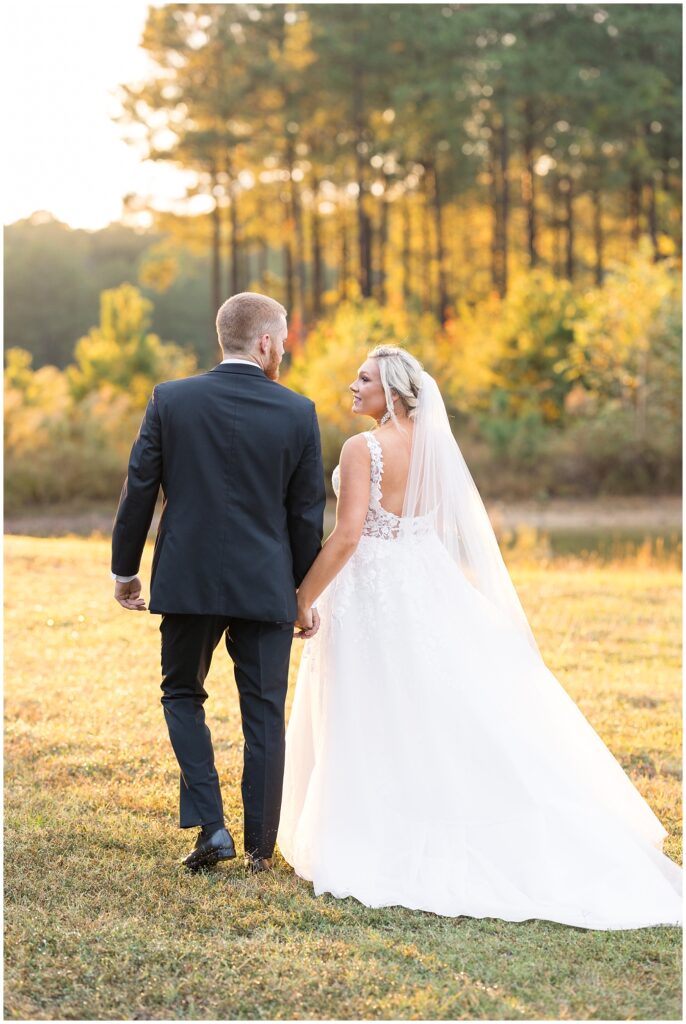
210,849
257,864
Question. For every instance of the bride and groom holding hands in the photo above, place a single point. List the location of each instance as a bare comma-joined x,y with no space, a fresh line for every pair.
432,760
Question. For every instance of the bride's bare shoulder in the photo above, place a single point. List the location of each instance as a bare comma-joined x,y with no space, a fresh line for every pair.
355,453
355,445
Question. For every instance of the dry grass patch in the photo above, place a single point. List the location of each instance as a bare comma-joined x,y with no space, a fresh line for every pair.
101,923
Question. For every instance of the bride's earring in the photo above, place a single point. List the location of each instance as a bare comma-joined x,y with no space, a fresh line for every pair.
385,418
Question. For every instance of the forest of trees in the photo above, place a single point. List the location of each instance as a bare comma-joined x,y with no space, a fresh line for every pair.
497,186
419,154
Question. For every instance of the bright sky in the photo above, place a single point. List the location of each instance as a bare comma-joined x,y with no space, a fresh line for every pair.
62,63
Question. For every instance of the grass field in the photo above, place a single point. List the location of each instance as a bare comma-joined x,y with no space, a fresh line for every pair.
100,922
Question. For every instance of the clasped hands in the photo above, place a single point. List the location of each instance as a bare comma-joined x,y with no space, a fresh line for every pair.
307,621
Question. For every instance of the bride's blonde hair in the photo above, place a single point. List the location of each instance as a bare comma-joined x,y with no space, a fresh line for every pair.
401,373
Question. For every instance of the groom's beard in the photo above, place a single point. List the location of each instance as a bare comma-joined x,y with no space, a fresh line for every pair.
272,367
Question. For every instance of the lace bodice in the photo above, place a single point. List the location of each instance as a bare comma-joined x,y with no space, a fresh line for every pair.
380,523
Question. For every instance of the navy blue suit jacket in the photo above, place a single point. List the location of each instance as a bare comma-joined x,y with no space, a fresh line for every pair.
238,458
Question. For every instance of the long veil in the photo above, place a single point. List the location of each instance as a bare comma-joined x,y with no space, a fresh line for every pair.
440,485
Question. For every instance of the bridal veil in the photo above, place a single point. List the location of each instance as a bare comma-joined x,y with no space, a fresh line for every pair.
440,485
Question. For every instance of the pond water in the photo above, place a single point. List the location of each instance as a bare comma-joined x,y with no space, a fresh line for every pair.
601,540
605,529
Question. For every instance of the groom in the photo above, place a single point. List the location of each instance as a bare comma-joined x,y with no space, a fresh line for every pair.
238,458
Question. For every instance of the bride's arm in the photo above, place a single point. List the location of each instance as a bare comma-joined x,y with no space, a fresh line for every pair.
351,510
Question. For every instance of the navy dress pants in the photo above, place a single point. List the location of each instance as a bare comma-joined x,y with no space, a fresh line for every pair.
260,652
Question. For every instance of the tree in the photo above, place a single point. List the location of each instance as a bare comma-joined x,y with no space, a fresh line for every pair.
122,353
191,109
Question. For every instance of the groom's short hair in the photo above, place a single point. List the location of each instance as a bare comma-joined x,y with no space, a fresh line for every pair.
246,317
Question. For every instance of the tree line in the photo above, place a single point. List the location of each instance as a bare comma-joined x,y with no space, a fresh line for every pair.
419,154
555,389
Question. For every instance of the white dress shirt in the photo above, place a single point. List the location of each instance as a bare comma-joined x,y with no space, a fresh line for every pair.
230,359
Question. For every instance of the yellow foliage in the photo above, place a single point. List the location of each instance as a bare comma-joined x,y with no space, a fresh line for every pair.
467,349
627,330
122,352
328,362
68,433
160,267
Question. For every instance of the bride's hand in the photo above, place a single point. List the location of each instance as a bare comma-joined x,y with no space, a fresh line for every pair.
307,621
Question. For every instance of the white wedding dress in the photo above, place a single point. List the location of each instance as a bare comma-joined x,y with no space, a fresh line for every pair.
433,761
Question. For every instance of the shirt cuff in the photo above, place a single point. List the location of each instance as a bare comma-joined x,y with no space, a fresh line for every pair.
123,579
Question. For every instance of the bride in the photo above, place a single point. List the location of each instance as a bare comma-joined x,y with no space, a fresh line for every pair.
432,759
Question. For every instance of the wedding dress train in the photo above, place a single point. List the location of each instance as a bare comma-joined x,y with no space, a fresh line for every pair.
433,761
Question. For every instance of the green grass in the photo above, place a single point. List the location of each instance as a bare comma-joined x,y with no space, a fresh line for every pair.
100,922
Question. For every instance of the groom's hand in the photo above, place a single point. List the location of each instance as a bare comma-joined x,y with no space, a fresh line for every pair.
129,595
307,622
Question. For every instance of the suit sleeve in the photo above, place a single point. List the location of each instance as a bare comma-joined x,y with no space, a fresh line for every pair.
305,501
139,494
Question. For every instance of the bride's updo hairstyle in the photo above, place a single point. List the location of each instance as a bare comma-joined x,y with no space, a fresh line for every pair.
401,374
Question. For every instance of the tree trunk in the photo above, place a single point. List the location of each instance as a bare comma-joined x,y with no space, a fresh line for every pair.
569,228
440,245
635,207
299,260
468,257
666,185
363,246
343,276
528,184
383,242
363,226
246,267
288,258
427,292
262,261
499,204
652,218
666,153
234,280
495,215
364,242
261,247
505,206
406,250
371,241
216,259
598,239
316,254
555,222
